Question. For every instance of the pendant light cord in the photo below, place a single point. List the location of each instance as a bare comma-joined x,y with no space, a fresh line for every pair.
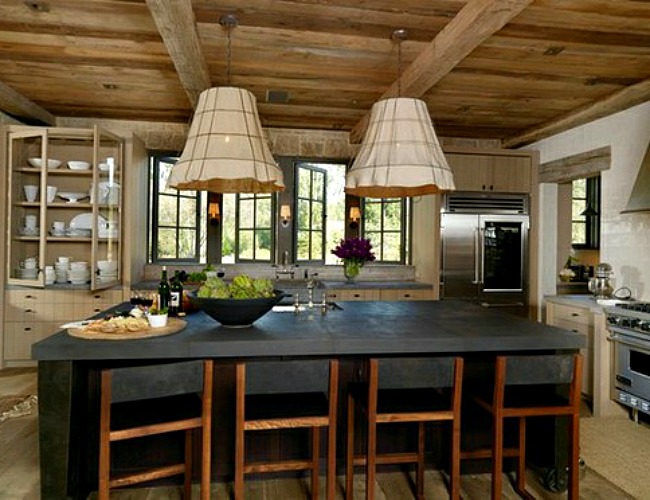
398,36
228,56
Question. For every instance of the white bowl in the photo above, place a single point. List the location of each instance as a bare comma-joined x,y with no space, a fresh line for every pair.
36,162
78,165
157,320
72,197
107,266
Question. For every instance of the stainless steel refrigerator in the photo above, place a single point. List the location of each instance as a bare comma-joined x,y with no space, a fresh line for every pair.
485,255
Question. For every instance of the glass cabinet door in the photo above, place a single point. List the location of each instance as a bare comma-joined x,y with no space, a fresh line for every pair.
64,207
107,197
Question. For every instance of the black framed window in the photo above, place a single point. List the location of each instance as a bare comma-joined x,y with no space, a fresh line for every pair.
311,203
254,226
385,224
177,231
585,213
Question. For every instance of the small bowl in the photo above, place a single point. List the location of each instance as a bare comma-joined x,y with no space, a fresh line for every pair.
157,320
236,313
72,197
78,165
103,167
36,162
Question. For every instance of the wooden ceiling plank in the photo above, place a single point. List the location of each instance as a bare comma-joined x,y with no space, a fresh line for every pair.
17,105
623,99
175,22
475,22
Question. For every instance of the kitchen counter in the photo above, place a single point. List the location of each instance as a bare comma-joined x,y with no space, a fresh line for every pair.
68,367
327,284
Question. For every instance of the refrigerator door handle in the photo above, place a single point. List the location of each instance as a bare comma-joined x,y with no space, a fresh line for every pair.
477,251
481,255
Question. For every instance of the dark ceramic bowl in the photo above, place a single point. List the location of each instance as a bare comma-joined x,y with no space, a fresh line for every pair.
236,313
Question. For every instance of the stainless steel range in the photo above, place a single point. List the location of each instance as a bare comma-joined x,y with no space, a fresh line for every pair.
629,326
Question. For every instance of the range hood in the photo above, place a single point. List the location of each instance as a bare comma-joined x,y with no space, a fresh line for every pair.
640,198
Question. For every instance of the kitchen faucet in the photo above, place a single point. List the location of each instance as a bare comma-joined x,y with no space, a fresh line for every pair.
284,270
311,284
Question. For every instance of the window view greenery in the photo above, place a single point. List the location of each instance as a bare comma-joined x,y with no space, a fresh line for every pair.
320,212
585,208
177,231
384,220
179,228
254,227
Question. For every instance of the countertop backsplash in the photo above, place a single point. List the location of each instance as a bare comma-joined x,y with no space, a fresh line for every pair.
370,272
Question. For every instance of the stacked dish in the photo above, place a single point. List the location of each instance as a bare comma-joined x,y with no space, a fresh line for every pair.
107,270
50,275
78,165
61,270
27,274
28,231
78,232
38,163
79,273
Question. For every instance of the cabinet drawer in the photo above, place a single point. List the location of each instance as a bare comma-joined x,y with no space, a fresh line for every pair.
406,294
574,326
19,337
569,313
350,295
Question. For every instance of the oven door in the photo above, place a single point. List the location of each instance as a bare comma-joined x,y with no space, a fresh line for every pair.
632,363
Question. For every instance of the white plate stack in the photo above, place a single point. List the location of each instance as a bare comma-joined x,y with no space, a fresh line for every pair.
79,273
107,270
61,270
50,275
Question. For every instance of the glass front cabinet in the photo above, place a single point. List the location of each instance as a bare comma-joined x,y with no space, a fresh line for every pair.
64,202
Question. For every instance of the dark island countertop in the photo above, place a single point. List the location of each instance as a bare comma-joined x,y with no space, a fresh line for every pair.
359,329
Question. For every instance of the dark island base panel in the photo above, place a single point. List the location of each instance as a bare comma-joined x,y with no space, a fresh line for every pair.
69,374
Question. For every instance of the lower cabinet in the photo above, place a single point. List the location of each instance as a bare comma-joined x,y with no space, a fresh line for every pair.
580,320
32,315
381,294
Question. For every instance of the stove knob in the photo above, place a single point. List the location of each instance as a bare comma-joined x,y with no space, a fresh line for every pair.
612,319
634,322
624,322
644,326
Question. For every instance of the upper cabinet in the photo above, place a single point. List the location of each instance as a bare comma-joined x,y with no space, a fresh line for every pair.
499,173
64,207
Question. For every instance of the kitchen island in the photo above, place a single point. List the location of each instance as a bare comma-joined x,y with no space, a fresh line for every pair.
68,366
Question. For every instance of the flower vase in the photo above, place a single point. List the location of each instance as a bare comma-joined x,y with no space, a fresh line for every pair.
351,269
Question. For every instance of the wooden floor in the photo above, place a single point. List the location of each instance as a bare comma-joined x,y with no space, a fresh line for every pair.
19,476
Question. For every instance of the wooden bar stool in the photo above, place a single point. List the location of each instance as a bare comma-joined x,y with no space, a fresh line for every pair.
400,390
289,394
142,401
513,397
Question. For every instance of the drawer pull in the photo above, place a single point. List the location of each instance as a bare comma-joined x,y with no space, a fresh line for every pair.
407,295
27,329
575,314
357,295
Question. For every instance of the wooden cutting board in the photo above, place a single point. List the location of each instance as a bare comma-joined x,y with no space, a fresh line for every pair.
174,325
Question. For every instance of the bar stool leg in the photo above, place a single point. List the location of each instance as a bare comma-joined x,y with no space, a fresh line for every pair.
187,480
239,432
497,457
315,453
454,467
574,457
419,481
349,451
521,459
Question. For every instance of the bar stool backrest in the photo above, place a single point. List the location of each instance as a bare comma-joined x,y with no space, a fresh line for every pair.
539,369
414,373
280,377
136,383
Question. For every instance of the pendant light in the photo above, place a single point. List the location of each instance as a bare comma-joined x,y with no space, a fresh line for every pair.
226,150
400,155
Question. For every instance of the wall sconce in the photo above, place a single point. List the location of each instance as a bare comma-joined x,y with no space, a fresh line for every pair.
285,215
215,215
355,215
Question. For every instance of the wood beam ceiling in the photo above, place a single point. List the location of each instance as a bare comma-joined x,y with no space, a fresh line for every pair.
476,21
177,27
623,99
15,104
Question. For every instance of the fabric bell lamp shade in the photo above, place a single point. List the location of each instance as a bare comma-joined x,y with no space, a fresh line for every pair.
226,150
400,154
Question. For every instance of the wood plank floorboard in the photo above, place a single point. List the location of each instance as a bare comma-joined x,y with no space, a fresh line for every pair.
19,473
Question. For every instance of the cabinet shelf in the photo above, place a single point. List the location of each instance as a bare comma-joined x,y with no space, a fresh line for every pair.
64,144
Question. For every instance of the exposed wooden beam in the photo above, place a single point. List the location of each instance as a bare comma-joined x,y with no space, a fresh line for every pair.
623,99
475,23
578,166
177,26
17,105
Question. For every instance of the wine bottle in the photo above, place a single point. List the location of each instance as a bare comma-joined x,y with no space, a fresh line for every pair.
163,291
176,296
